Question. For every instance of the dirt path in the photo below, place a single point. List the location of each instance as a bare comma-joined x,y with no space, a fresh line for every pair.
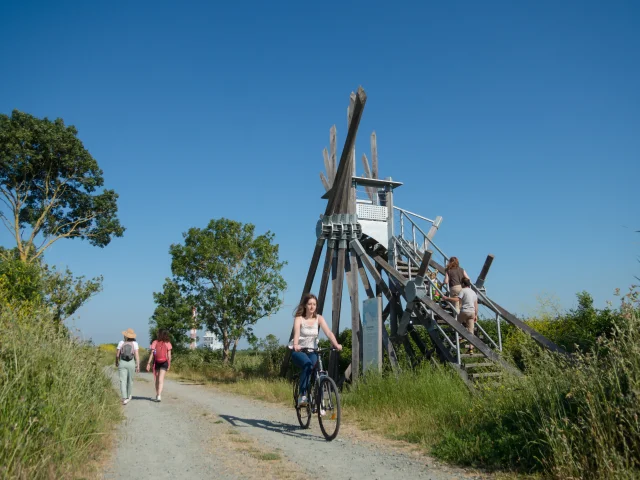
201,432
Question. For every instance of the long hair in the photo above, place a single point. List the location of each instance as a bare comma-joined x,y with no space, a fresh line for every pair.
162,336
302,308
453,263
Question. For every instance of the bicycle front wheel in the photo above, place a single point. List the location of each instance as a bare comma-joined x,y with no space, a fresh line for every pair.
329,408
303,413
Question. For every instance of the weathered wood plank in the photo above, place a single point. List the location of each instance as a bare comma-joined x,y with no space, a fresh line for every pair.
333,146
324,280
363,275
337,284
392,272
325,182
485,270
342,182
388,348
328,167
357,247
351,267
426,258
374,155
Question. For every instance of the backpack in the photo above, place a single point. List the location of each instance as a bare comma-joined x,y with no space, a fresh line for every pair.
161,352
127,352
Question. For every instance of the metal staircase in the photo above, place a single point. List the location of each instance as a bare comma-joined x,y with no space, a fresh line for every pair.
416,277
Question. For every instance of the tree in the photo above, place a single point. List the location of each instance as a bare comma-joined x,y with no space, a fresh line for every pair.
232,276
51,187
172,313
38,283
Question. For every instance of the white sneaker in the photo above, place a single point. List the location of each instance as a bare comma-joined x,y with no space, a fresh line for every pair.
130,397
158,398
323,412
302,401
125,401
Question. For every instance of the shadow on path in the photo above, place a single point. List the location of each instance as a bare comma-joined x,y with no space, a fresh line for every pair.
278,427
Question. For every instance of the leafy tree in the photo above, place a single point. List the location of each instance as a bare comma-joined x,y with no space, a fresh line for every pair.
51,186
172,313
40,284
232,276
65,293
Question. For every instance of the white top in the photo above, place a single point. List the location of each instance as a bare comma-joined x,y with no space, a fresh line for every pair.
308,335
468,298
135,345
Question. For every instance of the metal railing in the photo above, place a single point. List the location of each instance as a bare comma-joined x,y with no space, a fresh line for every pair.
410,242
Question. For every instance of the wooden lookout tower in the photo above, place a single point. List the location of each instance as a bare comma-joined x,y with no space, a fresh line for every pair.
391,253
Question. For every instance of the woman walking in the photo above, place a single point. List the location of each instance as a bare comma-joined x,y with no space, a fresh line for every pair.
453,279
161,357
127,362
306,326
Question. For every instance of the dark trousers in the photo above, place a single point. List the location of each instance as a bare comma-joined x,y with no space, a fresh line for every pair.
306,362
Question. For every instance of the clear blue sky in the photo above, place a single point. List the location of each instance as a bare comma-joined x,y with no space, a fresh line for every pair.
518,122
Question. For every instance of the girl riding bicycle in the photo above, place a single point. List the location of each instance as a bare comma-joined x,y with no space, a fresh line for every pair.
306,326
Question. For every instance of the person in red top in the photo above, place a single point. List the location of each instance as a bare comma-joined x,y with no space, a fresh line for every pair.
161,355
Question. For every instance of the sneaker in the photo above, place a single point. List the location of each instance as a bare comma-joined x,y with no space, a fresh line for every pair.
130,397
302,401
323,412
125,401
158,398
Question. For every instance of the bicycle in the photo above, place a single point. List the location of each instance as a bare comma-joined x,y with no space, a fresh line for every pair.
324,399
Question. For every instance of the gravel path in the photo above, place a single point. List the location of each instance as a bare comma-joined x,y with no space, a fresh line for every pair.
198,431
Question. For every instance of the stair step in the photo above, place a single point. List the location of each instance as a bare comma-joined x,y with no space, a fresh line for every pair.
472,355
486,374
479,364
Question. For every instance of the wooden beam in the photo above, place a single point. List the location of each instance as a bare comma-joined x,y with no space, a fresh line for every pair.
357,247
483,273
426,258
363,275
392,272
337,283
351,267
342,182
324,281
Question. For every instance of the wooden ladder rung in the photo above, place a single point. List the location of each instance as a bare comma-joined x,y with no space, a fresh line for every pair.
487,374
479,364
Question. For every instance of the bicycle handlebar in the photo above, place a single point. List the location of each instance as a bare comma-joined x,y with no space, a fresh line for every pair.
314,350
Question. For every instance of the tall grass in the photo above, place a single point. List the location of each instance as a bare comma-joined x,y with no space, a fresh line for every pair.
419,406
57,406
570,418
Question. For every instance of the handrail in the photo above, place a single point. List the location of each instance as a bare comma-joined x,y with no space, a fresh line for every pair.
407,212
435,287
402,211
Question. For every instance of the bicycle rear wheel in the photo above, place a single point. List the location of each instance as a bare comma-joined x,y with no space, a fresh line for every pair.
329,408
303,413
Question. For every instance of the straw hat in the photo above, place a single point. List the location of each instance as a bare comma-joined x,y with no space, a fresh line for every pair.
129,333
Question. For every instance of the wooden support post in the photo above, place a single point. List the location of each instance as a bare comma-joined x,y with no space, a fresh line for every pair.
364,277
324,281
352,283
426,258
415,336
483,273
337,283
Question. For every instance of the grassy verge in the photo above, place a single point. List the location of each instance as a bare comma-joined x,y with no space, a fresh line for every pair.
57,407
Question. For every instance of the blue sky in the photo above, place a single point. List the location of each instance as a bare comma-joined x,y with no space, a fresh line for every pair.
518,122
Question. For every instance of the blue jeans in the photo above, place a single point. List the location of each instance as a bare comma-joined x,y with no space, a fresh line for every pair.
306,362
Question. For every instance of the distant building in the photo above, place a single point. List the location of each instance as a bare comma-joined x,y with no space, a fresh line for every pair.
211,341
